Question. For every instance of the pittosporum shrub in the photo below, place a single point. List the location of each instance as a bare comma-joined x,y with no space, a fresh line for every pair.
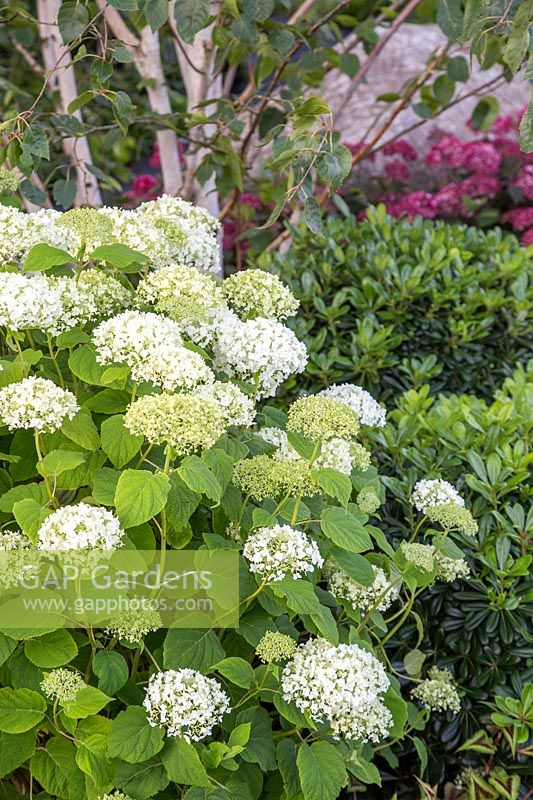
478,628
129,389
392,304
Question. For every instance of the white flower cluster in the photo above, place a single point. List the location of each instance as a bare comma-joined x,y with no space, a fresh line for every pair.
15,555
380,592
431,493
342,686
427,557
261,351
80,527
151,345
438,692
194,300
185,702
62,684
21,232
255,293
185,422
335,453
238,408
167,230
57,304
281,550
368,410
134,625
36,403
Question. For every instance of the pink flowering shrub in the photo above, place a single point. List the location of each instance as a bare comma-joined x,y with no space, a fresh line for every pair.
487,180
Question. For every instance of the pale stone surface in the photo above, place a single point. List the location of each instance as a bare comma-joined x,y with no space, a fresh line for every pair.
403,57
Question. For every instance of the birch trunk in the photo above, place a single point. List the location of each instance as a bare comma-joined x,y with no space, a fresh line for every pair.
58,62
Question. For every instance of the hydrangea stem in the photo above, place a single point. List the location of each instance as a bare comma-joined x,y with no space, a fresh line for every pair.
38,450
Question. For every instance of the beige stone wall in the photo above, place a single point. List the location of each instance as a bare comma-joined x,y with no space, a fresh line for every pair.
404,56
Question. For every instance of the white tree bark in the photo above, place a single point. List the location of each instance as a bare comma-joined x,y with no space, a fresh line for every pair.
58,63
197,67
146,55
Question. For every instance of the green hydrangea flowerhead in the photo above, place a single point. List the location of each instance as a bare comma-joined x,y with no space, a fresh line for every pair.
62,684
438,692
184,422
255,293
9,183
133,626
182,292
367,500
263,476
116,795
253,476
361,457
421,555
322,418
89,225
451,569
274,647
452,515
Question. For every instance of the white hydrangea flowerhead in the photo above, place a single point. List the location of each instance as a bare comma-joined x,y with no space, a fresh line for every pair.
261,350
255,293
274,436
428,557
368,410
238,407
22,231
181,233
16,555
335,454
36,403
438,692
62,684
90,296
430,493
185,422
451,569
185,703
134,625
192,299
281,550
80,527
340,685
151,345
30,301
380,592
442,503
116,795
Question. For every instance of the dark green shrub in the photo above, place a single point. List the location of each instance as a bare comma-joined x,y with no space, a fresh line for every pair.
392,304
477,627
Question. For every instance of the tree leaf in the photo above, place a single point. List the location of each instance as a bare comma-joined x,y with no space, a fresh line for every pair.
72,19
140,495
42,256
89,700
198,477
191,16
51,650
20,709
198,650
132,739
183,764
321,770
111,670
117,442
345,530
